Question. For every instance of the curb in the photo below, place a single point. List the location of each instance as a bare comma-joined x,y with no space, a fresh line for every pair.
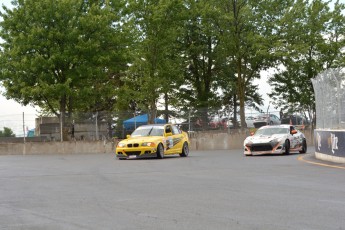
311,159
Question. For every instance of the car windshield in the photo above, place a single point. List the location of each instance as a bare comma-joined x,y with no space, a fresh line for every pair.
148,131
271,131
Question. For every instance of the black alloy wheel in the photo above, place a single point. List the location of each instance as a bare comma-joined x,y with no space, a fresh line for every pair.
304,147
160,151
287,147
185,150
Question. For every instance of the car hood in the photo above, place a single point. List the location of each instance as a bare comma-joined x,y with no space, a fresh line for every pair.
265,138
141,139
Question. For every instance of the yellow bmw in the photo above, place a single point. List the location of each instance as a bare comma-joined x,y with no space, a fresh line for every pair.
155,141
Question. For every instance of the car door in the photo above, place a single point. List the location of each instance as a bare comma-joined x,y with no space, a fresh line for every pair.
296,139
174,139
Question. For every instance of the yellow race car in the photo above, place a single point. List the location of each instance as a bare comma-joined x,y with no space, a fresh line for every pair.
155,141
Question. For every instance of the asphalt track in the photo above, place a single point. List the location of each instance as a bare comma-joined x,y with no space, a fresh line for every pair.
207,190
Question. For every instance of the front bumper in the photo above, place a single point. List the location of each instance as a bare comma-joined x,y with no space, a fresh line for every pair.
264,148
136,153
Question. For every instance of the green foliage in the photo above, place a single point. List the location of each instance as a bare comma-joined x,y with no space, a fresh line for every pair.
249,41
72,56
62,55
7,132
312,35
154,69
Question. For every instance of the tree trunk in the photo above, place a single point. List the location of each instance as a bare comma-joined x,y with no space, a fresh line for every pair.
166,102
241,91
234,120
62,116
152,113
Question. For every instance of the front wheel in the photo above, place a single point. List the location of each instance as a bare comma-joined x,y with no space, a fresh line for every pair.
287,147
160,151
304,147
185,150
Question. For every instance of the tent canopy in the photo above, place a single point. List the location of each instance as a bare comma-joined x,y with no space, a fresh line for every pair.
134,122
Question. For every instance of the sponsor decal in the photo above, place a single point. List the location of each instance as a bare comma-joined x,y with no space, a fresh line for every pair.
171,142
318,141
334,142
331,142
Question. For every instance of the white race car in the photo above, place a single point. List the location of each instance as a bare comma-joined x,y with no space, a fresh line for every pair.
275,139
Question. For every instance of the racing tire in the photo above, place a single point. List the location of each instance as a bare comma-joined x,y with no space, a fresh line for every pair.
160,151
287,147
304,147
185,150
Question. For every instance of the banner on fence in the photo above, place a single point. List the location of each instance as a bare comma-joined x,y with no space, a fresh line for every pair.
330,142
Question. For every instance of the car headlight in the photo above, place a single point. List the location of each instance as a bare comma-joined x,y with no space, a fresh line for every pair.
150,144
121,145
247,142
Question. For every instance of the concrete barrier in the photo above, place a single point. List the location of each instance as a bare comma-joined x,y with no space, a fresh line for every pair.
330,145
67,147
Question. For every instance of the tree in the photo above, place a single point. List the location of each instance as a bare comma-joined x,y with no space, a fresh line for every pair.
199,43
249,40
313,38
7,132
154,68
60,55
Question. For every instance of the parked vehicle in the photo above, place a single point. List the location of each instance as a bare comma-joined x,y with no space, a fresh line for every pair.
250,122
294,120
218,123
266,119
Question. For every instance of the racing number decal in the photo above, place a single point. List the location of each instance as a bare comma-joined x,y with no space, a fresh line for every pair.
170,143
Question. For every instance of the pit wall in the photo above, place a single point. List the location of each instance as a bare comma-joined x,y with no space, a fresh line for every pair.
46,148
199,141
330,145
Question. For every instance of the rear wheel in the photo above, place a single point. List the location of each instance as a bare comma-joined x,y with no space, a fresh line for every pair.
160,151
185,150
304,147
287,147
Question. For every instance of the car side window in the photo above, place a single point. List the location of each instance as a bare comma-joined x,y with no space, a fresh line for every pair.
175,130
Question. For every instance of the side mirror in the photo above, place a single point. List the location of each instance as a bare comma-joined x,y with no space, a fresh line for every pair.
128,136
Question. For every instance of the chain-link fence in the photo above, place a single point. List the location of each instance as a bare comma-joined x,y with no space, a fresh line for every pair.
19,124
107,126
330,99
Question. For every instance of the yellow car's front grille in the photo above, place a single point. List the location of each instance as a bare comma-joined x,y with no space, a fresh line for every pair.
133,145
131,153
